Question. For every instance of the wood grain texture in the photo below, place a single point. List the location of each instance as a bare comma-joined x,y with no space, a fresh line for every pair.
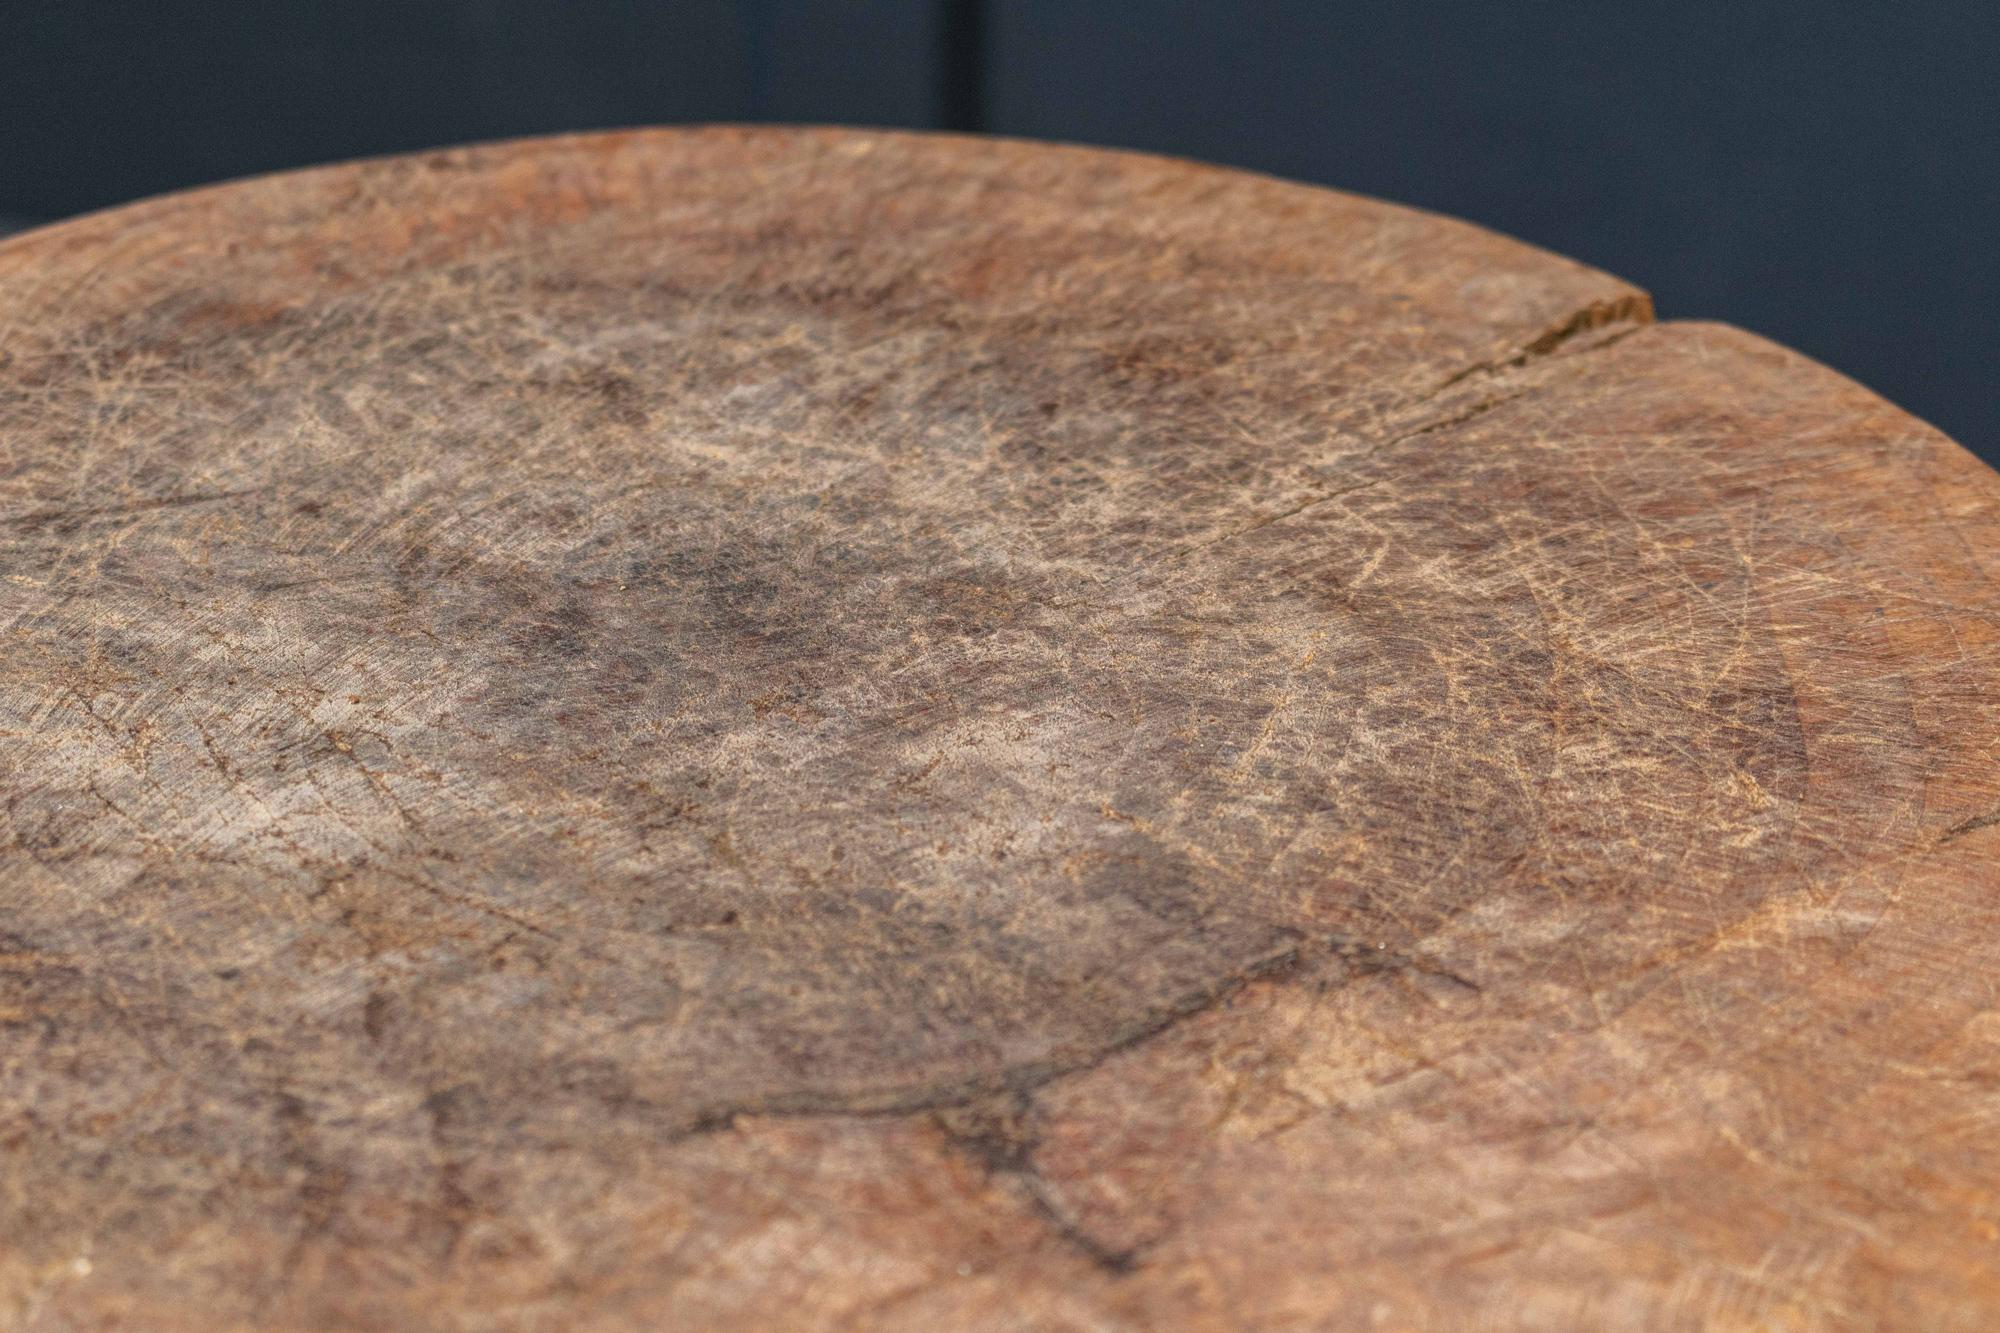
808,729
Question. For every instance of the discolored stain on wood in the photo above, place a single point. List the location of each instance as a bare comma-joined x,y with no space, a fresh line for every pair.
768,728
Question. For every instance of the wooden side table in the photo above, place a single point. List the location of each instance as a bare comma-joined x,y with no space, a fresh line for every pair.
804,729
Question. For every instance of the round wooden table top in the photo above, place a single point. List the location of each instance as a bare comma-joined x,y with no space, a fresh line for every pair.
809,729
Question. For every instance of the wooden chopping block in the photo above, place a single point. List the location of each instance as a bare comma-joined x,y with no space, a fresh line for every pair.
810,729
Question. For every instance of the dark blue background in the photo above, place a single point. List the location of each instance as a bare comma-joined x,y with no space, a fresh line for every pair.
1825,173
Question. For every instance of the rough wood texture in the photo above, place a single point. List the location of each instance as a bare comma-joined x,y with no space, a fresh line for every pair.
771,729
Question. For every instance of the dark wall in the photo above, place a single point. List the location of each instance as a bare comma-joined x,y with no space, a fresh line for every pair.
103,101
1827,174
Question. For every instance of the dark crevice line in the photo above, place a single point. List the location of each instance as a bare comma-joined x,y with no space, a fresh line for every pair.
961,89
1633,308
999,1138
1972,825
1289,953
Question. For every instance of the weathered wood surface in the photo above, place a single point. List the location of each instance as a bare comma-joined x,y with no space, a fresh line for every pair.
772,729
